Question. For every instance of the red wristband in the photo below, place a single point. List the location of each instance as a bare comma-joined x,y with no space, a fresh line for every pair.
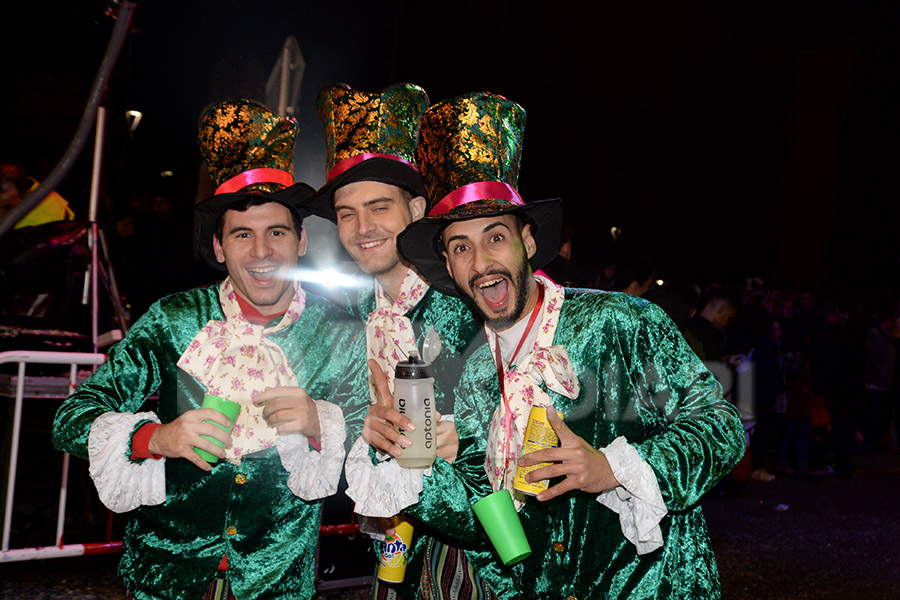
140,442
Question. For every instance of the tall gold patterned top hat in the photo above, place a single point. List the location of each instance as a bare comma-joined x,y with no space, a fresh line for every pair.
470,150
370,137
249,151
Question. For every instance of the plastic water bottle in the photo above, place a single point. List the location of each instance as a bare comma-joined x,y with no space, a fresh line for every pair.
414,399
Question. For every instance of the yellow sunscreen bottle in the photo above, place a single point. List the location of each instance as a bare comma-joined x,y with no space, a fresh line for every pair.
538,435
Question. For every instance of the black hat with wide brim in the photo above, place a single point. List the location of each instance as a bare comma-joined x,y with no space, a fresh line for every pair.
249,153
422,245
369,136
376,168
211,210
469,152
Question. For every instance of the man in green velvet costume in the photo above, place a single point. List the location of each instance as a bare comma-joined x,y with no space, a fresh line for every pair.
373,192
250,522
645,431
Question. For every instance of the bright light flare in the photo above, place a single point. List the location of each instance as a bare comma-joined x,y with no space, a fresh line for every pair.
330,277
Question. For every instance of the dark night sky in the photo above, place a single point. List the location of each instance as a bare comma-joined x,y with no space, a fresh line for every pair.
725,139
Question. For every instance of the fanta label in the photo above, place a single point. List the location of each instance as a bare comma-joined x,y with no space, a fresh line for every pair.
394,554
393,559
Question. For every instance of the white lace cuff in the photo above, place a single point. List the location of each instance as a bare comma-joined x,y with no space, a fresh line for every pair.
637,501
121,483
381,490
371,527
315,475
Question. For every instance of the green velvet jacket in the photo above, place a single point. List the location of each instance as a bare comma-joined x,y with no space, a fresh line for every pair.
247,511
639,379
456,326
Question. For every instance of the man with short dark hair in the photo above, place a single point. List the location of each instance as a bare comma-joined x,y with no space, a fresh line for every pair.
705,331
645,431
373,192
248,526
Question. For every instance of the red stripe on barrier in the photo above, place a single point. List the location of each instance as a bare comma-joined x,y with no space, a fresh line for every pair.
102,548
347,529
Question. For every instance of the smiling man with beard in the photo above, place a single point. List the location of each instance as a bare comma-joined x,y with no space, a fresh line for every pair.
499,297
645,431
373,192
246,526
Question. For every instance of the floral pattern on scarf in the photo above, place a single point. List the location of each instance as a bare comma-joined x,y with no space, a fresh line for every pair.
522,382
389,332
235,359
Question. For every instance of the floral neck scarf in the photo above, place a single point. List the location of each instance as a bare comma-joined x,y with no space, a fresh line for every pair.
236,360
389,332
545,363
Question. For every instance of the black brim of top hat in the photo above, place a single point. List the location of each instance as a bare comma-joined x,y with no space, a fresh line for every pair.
384,170
296,198
422,246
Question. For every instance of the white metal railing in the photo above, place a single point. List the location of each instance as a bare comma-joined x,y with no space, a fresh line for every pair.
48,388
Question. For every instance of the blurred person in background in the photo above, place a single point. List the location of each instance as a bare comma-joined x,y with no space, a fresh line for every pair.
15,185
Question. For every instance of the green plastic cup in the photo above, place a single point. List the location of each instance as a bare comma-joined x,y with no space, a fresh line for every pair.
498,516
229,409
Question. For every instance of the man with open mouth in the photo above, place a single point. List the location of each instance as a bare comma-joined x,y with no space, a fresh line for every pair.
248,525
645,430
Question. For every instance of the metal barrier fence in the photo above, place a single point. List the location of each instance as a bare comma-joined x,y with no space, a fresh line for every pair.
21,386
47,388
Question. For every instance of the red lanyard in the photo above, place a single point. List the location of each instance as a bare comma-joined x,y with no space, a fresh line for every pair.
498,361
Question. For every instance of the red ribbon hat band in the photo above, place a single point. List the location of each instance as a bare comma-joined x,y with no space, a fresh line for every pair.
252,176
355,160
473,192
